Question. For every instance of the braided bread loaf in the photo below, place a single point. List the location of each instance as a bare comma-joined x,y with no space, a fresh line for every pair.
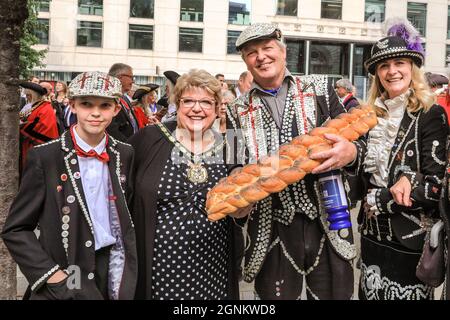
290,164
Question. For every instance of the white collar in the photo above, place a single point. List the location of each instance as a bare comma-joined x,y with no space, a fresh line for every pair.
395,105
86,147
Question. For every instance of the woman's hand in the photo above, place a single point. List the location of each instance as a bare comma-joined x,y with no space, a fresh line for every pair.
401,192
242,212
152,120
342,153
368,211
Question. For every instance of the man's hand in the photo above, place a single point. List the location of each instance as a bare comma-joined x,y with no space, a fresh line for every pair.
342,153
401,192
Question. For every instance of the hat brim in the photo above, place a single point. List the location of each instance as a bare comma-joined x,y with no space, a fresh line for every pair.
34,87
276,34
371,63
95,96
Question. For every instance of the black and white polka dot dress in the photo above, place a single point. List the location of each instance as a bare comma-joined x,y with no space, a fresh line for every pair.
190,253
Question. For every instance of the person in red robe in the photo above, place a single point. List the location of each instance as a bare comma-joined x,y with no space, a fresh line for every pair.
37,120
144,105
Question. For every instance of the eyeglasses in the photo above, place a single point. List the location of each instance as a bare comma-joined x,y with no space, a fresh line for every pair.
205,104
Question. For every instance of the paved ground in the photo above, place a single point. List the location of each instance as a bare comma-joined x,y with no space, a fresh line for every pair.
246,289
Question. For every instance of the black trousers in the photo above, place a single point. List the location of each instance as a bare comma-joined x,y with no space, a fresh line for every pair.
101,270
302,252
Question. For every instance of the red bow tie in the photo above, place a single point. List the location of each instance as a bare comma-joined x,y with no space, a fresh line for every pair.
103,157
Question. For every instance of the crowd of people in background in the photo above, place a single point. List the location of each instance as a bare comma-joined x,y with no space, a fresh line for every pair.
116,177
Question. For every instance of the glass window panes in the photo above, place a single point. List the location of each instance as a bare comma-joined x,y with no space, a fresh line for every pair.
231,41
43,5
89,34
287,7
375,11
41,31
332,9
329,58
361,53
142,9
239,12
90,7
140,37
447,56
191,40
295,56
191,10
417,14
448,23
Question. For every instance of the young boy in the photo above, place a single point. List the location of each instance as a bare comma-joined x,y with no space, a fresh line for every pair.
73,188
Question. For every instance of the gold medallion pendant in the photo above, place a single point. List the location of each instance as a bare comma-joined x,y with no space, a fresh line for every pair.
197,173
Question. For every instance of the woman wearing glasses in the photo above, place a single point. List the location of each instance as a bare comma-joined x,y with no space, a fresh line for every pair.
182,255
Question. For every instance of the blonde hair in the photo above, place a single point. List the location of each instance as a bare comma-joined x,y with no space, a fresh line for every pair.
421,97
196,78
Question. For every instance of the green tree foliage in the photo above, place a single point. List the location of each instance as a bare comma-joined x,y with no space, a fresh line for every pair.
29,56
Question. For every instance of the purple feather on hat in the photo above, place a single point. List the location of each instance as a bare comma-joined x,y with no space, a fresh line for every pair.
402,28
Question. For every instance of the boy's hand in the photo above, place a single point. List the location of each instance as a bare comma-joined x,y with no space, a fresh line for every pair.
57,277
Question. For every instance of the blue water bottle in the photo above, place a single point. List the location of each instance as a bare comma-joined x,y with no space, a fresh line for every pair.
335,201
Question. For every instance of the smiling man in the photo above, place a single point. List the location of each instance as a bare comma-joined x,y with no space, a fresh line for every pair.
289,240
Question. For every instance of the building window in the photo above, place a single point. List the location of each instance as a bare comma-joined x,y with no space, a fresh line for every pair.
90,7
375,11
89,34
239,12
191,10
191,40
329,58
448,23
141,37
447,56
41,31
142,9
332,9
361,53
43,5
295,56
417,14
231,41
287,7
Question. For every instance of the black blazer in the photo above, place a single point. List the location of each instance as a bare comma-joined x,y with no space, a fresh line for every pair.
152,151
50,188
121,127
444,206
420,154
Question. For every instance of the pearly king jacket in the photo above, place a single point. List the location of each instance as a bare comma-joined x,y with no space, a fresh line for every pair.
310,102
51,198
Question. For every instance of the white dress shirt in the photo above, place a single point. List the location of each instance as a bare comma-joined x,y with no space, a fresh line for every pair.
95,179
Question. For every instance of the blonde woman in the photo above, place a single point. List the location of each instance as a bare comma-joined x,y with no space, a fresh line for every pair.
61,91
143,104
402,168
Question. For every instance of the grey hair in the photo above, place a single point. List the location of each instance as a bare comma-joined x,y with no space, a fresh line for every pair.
228,95
346,84
118,68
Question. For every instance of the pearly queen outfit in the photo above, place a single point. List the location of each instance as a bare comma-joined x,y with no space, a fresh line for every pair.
402,144
288,236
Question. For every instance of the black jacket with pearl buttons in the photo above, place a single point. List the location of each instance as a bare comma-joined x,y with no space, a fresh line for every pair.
51,197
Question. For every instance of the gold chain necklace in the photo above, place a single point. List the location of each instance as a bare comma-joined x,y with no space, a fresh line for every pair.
196,171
